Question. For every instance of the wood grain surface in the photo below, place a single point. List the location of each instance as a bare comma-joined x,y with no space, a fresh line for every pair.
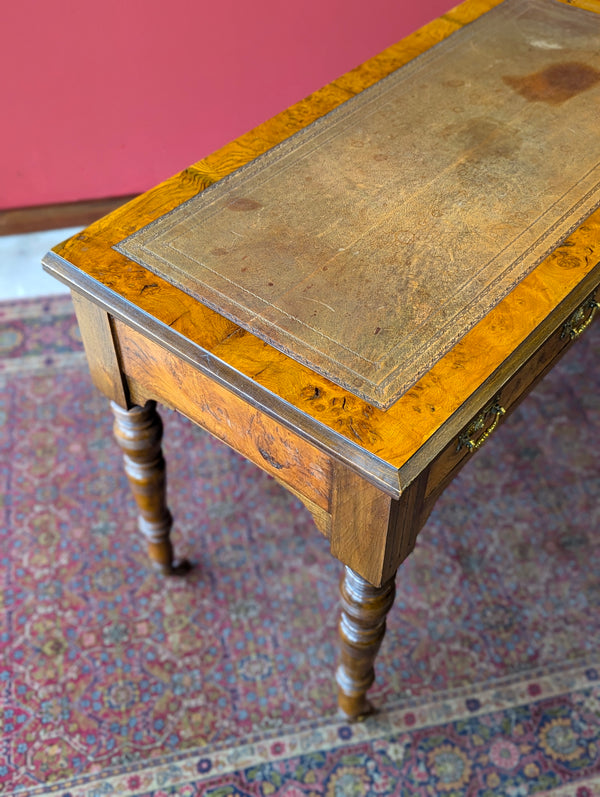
138,432
392,444
369,476
245,428
361,631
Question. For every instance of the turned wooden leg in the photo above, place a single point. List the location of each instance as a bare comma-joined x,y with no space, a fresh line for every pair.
361,628
138,432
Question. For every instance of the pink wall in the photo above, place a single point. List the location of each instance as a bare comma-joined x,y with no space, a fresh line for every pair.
108,98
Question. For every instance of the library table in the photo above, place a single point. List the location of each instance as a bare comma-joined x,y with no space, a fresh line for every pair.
357,292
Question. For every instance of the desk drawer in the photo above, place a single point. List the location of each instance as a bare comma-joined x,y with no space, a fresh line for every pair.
507,397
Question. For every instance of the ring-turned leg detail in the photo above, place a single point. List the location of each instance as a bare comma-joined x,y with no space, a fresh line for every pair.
361,628
138,432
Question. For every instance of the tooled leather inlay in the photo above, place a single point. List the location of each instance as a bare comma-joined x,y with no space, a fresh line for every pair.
367,244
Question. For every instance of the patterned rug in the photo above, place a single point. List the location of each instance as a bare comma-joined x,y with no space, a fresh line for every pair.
115,681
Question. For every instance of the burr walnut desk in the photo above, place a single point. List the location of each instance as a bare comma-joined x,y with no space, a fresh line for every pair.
357,308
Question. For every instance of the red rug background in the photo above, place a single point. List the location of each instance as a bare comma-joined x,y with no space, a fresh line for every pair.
105,664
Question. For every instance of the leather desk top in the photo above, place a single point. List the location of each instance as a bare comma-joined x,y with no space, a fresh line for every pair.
391,446
366,245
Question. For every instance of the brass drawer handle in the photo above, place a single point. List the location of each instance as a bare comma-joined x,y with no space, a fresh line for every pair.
466,439
578,323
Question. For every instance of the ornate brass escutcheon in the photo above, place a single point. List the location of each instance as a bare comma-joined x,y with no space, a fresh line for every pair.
579,321
471,437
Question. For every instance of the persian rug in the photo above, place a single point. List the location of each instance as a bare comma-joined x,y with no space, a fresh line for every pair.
116,681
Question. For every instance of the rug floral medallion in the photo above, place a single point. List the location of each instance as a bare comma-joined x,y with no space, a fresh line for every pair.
115,681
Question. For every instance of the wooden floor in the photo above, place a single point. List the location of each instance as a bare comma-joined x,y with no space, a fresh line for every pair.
26,234
47,217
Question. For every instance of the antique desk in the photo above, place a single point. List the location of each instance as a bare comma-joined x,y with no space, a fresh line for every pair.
357,310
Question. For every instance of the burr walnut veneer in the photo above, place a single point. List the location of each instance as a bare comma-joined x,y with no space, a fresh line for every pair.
368,451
